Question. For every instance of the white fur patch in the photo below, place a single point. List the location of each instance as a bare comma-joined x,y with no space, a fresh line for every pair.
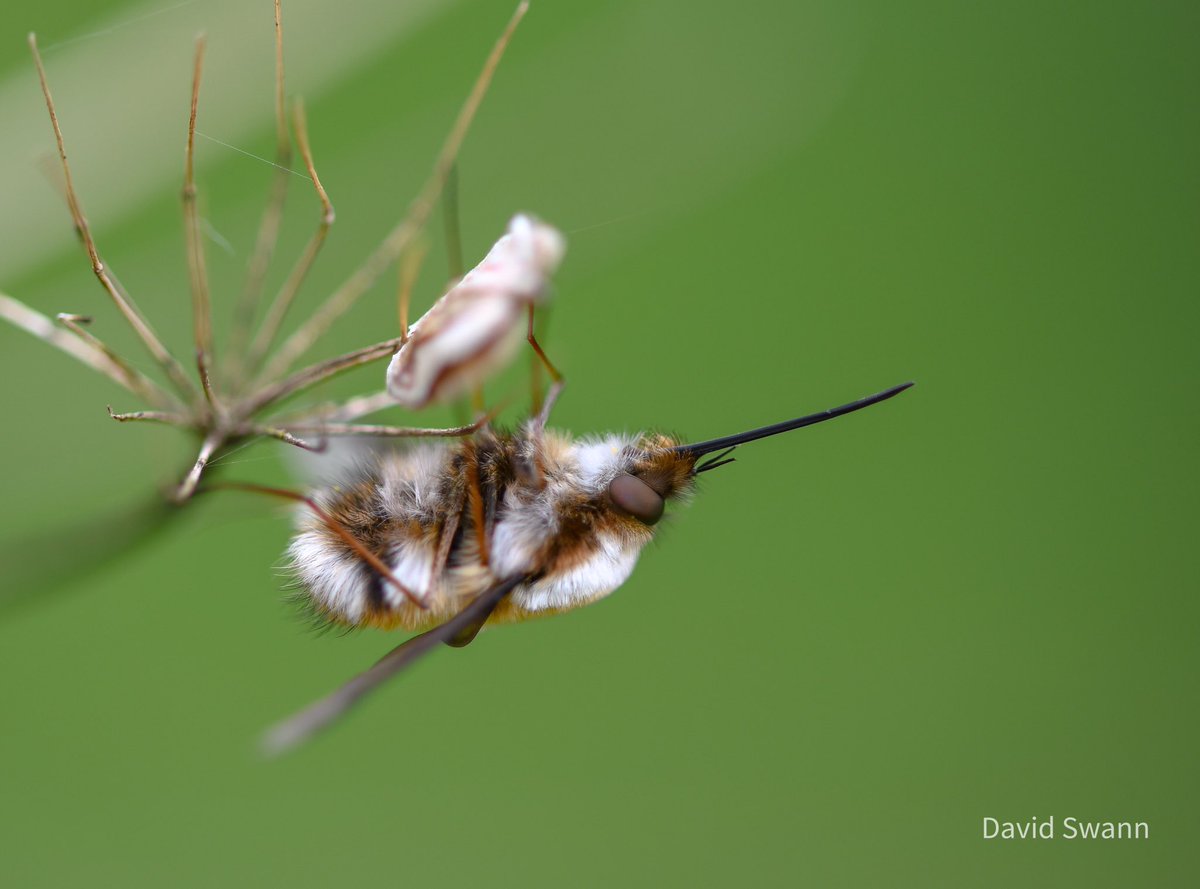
520,536
335,581
410,481
601,573
600,460
412,563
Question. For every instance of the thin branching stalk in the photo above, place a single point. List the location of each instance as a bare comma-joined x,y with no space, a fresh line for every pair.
124,304
402,236
197,265
269,224
287,294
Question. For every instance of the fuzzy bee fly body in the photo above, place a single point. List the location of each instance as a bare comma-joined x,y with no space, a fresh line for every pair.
572,515
497,528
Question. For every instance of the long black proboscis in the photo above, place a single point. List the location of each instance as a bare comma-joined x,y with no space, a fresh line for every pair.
732,441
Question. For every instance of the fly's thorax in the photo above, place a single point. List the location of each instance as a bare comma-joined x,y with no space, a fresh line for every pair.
590,464
570,525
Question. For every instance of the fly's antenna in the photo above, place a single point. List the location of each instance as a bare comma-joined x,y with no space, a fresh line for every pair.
715,462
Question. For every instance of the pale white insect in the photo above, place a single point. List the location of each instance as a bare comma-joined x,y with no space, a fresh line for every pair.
475,328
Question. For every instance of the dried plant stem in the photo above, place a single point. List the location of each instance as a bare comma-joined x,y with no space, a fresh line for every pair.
88,351
197,267
140,326
170,419
208,447
342,412
133,379
287,294
451,226
410,268
316,373
286,437
269,225
329,420
386,431
402,236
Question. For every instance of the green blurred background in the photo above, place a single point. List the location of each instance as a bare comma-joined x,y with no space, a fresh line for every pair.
978,599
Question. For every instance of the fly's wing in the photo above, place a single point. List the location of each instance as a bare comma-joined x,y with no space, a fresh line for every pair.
41,563
299,728
342,457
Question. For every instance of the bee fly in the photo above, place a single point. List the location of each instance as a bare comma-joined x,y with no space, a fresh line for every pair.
494,529
498,527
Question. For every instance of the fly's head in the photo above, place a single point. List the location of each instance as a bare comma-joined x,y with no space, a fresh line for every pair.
637,480
653,474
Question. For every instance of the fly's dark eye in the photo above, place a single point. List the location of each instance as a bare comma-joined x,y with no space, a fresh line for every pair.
634,497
